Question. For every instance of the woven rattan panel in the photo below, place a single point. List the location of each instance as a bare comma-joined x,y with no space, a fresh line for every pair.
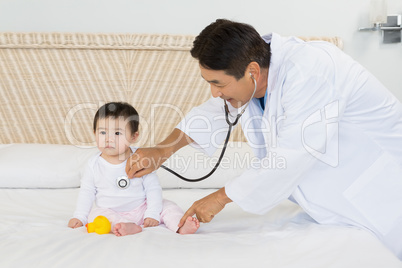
51,84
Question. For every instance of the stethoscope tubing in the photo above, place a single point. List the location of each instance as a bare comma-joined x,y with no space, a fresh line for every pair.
230,124
213,169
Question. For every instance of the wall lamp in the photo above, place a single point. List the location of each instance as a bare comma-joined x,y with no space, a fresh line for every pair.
390,25
391,30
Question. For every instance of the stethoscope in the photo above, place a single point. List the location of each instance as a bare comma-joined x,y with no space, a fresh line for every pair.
123,182
231,125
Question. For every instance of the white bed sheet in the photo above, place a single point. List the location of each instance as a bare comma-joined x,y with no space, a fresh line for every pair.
34,233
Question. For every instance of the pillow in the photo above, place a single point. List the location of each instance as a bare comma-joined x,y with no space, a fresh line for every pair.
61,166
42,165
192,163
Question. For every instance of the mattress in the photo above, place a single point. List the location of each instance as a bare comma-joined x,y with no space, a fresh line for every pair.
34,233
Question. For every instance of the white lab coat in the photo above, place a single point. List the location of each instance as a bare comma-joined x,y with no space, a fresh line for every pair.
330,139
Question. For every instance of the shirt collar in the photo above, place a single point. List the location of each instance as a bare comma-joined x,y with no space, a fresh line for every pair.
275,40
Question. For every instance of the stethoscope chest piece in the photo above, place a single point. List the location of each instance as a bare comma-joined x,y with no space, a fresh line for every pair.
123,182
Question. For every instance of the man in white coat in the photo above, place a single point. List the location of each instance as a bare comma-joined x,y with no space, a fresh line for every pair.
337,127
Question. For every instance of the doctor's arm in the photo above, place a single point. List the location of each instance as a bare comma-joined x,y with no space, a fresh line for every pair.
189,130
146,160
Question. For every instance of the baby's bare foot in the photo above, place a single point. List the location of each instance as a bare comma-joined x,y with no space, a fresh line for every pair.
126,228
190,226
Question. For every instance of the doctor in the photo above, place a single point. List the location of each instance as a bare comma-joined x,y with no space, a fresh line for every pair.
338,129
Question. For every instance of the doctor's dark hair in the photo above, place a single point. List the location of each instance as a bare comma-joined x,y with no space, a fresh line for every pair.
230,46
118,109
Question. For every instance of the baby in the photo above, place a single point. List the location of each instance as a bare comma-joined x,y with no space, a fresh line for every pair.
127,203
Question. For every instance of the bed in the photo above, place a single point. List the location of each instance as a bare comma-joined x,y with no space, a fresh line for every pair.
51,84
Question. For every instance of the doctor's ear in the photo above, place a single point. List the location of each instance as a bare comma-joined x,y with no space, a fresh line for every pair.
253,70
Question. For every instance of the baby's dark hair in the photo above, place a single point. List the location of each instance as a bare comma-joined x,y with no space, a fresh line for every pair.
115,110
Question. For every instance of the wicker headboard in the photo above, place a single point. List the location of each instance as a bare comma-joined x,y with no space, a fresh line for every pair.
51,84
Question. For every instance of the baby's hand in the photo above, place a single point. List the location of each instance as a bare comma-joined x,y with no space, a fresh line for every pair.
149,222
74,223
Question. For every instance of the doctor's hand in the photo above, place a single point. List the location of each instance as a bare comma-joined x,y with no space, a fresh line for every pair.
206,208
144,161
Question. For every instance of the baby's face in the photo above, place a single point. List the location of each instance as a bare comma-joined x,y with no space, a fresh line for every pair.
113,137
